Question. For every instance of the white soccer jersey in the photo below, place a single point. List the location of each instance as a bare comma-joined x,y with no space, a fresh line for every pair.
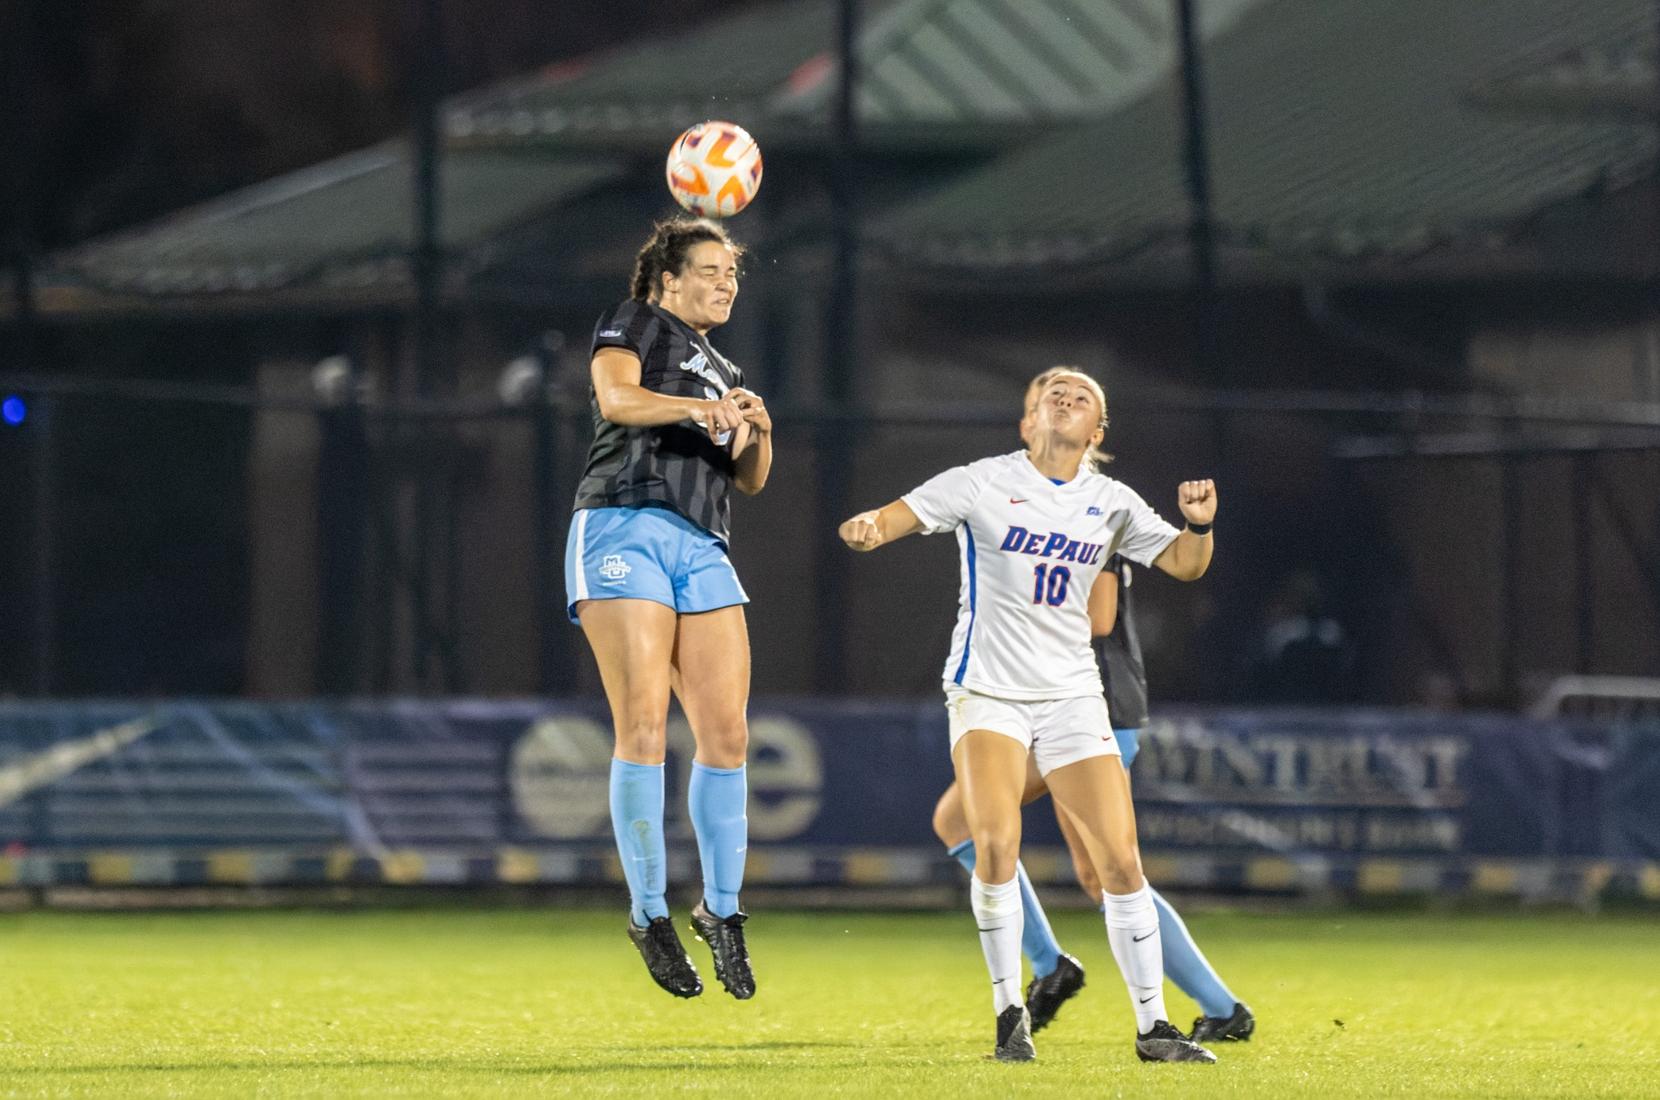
1031,551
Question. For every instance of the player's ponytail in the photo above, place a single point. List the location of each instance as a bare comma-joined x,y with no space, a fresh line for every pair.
666,252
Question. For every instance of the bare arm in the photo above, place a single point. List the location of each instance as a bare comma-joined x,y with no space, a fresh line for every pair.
622,400
755,452
1103,604
1188,556
868,530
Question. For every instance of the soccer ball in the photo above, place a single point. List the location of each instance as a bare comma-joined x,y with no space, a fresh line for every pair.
714,169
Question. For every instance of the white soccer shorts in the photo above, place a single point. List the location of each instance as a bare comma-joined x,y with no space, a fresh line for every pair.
1057,732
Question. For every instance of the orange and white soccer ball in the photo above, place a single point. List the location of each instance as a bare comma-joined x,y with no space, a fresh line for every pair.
714,169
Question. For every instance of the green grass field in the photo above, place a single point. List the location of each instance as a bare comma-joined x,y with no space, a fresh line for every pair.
493,1003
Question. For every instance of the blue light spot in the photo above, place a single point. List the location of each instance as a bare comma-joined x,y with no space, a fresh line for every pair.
13,411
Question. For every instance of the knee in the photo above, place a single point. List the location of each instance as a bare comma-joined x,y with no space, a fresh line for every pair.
642,737
949,825
1122,875
997,849
724,743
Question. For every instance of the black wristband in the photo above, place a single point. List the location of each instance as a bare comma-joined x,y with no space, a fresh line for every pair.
1199,528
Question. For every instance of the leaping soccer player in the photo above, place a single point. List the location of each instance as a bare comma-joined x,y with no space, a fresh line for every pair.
648,578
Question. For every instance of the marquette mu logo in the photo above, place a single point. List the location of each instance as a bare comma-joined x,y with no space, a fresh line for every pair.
700,366
614,569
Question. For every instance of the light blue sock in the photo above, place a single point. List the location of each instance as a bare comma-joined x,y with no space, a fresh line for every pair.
718,800
1187,966
1038,942
637,822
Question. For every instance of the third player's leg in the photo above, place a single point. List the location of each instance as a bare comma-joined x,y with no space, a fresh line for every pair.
951,821
1089,879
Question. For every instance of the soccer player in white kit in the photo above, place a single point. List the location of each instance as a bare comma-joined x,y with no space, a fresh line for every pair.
1034,529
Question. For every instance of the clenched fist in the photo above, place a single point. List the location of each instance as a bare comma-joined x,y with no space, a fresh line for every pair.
862,532
1197,500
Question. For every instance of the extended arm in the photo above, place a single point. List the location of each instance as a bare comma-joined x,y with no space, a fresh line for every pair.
622,400
868,530
1188,556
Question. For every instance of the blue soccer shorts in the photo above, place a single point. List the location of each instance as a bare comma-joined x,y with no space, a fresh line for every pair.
1129,743
647,554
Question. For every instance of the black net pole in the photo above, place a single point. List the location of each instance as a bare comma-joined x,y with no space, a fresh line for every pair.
426,262
1211,365
548,511
836,448
1201,214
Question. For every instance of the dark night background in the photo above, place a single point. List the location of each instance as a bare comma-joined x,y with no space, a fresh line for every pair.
144,106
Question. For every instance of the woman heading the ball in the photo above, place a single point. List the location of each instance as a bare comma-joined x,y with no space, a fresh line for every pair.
648,579
1035,528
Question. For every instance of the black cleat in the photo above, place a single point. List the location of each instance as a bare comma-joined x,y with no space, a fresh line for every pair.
666,960
1164,1043
1236,1028
725,937
1045,995
1014,1036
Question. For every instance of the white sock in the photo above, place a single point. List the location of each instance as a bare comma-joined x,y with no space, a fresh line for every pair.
1133,932
997,913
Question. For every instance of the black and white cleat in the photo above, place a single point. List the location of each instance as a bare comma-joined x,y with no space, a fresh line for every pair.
1014,1036
1164,1042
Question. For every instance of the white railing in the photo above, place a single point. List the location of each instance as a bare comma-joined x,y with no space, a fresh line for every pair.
1619,698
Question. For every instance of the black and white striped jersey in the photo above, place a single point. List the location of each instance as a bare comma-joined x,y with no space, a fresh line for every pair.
675,465
1119,655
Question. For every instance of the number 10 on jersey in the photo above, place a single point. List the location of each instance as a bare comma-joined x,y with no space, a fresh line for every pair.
1050,586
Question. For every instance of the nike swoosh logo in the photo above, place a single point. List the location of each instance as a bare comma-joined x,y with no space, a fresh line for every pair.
1022,500
1148,936
30,773
1144,1000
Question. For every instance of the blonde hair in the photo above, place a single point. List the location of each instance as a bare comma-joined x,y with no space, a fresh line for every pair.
1094,457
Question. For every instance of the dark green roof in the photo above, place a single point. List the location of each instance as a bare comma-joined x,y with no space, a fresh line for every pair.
1339,129
945,69
344,224
953,69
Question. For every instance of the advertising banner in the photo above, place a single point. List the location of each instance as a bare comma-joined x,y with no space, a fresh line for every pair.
462,791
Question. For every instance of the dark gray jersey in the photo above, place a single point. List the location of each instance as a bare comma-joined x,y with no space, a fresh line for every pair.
676,465
1119,655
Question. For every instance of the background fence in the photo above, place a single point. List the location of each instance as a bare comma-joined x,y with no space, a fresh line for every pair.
483,793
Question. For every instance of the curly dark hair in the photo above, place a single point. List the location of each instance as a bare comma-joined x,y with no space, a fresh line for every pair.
667,248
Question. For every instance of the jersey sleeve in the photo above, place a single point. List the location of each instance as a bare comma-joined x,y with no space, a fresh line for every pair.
943,501
630,326
1145,533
